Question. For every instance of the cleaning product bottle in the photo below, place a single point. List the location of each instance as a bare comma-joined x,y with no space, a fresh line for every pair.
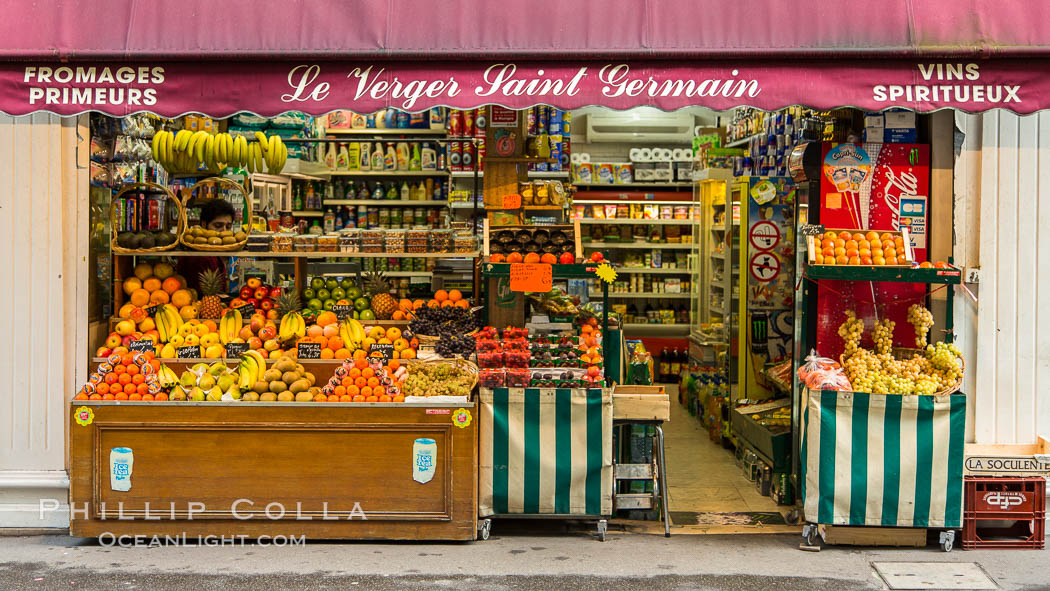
428,160
365,159
330,156
381,118
419,193
406,193
353,156
329,220
379,192
377,156
403,155
437,118
392,193
342,158
390,158
390,119
414,163
363,192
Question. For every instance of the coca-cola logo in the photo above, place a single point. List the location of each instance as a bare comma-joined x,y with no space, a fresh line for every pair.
1004,500
905,185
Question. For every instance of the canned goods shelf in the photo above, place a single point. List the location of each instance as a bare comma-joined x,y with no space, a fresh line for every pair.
387,202
388,173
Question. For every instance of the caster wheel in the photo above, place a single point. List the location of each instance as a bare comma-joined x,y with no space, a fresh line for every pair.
485,529
809,534
947,540
947,545
603,527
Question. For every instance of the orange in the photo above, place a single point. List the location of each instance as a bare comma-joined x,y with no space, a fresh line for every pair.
345,398
878,260
327,354
140,297
890,252
418,304
871,236
159,297
854,260
147,397
864,252
408,354
840,251
368,372
828,252
394,365
922,265
549,258
371,399
131,285
440,295
352,390
532,257
852,252
124,379
448,304
844,235
405,304
160,397
359,398
463,304
120,395
346,382
132,369
138,379
850,244
514,257
108,396
339,390
840,243
353,374
142,389
171,285
366,391
325,318
212,327
151,284
891,261
865,260
130,389
385,398
399,398
886,236
102,388
181,298
858,236
830,235
111,377
321,398
455,295
335,343
393,333
360,363
342,353
361,382
95,397
841,259
827,243
135,397
397,315
373,382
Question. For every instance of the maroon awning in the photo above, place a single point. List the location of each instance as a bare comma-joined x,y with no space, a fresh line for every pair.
266,57
519,29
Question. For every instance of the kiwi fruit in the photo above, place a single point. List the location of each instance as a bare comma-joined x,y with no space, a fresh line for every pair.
289,377
240,236
226,233
215,241
278,387
261,387
286,397
272,375
228,240
267,397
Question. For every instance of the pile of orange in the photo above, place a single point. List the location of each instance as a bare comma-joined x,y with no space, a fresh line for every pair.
441,299
362,385
124,382
858,248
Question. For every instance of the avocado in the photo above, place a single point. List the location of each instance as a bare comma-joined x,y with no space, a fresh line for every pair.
124,239
147,241
133,241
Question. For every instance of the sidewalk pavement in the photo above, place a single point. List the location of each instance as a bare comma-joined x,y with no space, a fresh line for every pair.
505,561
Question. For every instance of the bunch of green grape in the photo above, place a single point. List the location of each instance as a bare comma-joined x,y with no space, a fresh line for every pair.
851,332
882,334
922,320
943,356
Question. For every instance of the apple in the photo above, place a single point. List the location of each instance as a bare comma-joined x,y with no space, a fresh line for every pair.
246,293
245,332
266,304
113,340
253,302
275,291
253,283
127,339
271,345
262,292
124,327
597,257
236,303
103,352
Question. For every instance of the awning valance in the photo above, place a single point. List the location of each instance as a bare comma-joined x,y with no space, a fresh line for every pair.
220,89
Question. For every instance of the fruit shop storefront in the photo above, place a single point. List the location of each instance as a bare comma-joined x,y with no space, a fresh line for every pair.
190,456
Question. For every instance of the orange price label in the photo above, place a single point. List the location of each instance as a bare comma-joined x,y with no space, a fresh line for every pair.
512,201
531,277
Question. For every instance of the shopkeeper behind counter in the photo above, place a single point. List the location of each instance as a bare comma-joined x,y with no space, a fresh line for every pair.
217,215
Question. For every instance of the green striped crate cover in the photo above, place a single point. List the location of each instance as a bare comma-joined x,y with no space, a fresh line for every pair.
883,460
545,451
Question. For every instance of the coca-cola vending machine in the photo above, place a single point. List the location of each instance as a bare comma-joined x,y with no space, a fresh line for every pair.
880,187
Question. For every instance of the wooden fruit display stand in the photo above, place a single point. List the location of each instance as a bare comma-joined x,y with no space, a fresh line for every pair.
324,471
366,470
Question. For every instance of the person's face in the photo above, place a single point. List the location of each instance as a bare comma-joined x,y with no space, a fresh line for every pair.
220,223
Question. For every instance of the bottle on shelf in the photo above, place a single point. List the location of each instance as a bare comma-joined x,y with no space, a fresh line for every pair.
406,192
392,191
329,190
403,155
415,161
330,156
342,157
340,219
379,192
428,157
329,220
363,192
664,364
297,198
419,193
377,157
365,160
353,156
390,158
316,228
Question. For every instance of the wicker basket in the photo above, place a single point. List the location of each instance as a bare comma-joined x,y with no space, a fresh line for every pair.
134,187
247,223
461,364
903,353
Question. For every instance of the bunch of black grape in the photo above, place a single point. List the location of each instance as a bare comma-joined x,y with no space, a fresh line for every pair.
452,345
451,320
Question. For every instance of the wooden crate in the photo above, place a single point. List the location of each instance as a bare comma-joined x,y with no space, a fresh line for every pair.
641,403
218,468
873,536
1008,460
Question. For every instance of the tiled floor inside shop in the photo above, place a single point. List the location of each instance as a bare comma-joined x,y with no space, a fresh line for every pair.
709,492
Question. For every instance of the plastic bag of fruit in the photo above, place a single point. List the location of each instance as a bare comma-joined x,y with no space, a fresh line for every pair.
828,379
815,363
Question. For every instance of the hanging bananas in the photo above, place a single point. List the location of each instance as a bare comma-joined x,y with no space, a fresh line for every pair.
187,151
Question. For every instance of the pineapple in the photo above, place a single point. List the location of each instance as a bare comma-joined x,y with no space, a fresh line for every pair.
383,304
212,284
287,302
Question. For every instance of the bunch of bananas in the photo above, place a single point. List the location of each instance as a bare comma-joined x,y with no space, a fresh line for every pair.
293,327
352,333
168,322
230,325
186,151
167,377
250,369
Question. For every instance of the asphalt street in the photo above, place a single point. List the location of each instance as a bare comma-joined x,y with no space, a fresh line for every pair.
568,561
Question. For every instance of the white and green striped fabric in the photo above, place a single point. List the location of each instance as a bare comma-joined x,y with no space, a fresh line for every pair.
545,452
894,460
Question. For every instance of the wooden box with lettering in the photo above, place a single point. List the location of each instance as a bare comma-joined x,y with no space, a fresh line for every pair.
320,470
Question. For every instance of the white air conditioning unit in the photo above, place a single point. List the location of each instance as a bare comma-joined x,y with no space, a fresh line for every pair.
650,126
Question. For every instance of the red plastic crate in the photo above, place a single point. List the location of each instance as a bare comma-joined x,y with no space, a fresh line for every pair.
1022,500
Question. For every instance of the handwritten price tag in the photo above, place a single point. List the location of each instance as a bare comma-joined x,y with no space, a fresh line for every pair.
531,277
141,346
384,350
309,350
188,352
342,311
246,309
235,349
512,201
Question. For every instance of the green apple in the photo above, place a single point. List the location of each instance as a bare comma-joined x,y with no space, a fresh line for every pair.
324,294
317,283
362,304
314,304
328,304
331,284
353,292
338,293
346,283
367,315
309,293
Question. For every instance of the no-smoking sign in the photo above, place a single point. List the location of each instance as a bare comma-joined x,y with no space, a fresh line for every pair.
764,266
764,235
